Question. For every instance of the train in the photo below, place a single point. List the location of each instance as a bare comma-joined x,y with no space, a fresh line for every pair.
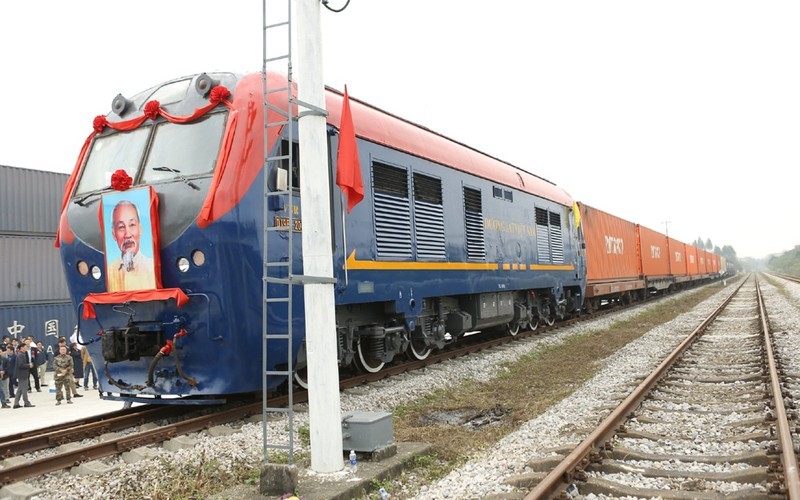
162,241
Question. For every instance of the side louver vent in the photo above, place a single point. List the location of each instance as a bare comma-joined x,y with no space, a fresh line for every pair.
556,240
542,236
473,215
392,219
429,218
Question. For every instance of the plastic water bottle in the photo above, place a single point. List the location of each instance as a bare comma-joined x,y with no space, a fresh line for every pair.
384,495
353,463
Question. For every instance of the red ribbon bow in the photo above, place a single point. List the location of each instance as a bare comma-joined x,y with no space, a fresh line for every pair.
120,180
99,123
219,94
151,109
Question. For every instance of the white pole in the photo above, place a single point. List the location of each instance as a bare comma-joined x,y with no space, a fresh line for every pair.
320,318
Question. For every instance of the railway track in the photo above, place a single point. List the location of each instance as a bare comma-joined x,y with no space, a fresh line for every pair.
186,420
708,422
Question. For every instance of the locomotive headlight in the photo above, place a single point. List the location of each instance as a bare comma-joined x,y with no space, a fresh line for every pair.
83,268
96,273
183,264
198,257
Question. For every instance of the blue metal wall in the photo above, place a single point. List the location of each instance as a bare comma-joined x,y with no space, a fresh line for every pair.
45,322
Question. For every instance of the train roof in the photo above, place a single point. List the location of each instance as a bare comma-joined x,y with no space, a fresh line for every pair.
376,125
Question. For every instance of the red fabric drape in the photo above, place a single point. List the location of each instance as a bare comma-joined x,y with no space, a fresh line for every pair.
348,169
63,230
137,296
204,219
156,229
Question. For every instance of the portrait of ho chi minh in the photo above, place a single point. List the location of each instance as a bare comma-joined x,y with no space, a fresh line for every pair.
132,269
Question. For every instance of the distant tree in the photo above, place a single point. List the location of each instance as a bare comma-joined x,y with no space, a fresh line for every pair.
728,252
709,245
730,257
717,250
786,263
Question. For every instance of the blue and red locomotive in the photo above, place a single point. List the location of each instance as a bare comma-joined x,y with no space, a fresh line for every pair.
162,241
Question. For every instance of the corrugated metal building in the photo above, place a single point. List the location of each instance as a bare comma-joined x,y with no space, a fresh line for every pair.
34,298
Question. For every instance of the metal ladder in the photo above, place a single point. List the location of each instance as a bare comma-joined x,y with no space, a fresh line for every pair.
277,274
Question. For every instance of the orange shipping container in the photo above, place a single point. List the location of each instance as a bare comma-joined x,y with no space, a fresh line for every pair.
654,256
709,262
677,257
702,260
610,246
691,260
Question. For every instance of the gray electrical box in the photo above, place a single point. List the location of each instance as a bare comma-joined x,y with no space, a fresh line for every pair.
367,431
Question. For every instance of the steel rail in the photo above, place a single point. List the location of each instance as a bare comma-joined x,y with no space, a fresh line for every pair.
67,459
74,431
68,425
787,277
785,441
562,476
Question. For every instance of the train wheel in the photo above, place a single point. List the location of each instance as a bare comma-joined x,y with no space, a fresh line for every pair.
533,324
550,318
418,350
301,377
512,329
367,355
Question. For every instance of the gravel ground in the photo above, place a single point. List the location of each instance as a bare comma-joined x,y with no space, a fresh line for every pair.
587,406
479,477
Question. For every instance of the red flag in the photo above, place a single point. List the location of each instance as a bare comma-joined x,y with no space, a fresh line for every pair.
348,170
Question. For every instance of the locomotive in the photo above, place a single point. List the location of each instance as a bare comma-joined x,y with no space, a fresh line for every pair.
162,241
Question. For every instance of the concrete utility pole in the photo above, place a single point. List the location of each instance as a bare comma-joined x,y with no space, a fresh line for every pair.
321,348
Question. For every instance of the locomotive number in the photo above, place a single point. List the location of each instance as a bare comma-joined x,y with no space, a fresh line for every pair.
284,222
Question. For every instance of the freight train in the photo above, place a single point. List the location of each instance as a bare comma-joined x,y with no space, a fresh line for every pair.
162,242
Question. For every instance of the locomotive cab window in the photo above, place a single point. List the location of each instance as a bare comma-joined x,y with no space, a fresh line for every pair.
184,150
109,153
279,175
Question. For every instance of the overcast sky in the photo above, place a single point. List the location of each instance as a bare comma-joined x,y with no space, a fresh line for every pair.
680,111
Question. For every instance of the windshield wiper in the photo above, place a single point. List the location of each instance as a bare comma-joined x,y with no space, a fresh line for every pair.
87,196
178,173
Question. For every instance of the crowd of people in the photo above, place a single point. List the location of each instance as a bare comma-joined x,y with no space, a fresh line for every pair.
23,369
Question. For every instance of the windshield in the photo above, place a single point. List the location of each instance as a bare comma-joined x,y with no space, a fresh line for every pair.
110,153
187,150
174,151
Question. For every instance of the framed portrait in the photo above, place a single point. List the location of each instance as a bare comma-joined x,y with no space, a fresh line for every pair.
129,221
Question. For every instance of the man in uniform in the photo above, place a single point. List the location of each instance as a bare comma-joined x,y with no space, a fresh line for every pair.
63,368
132,270
62,342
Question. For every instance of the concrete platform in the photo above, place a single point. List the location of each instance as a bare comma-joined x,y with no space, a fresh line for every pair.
339,485
46,413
